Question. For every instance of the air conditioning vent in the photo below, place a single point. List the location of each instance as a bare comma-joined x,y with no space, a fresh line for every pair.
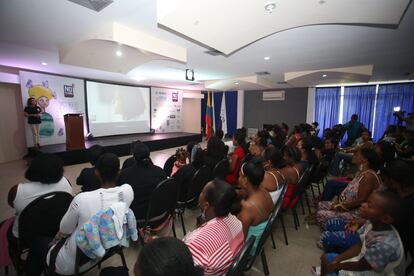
264,73
273,96
96,5
214,52
282,82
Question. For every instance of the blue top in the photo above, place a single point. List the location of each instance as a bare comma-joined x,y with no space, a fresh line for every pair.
352,129
257,231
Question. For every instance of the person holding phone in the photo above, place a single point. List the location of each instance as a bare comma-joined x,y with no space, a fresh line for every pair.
32,112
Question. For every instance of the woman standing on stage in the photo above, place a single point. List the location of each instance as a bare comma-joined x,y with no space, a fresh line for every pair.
32,112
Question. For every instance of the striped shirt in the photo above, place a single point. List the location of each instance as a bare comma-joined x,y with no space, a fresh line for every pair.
215,244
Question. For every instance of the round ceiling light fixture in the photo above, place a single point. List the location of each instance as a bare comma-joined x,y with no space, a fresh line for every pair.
43,63
266,58
118,53
324,75
269,7
236,83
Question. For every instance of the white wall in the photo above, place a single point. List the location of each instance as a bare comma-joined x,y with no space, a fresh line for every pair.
191,114
311,105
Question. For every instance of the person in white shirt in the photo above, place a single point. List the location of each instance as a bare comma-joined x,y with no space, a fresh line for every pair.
87,204
45,174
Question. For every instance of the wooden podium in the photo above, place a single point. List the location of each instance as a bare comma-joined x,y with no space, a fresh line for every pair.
75,138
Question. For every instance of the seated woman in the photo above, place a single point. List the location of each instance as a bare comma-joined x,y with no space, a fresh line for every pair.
87,204
258,204
356,192
385,151
239,142
295,137
45,174
274,180
363,142
215,152
181,160
291,172
87,178
166,256
219,238
311,151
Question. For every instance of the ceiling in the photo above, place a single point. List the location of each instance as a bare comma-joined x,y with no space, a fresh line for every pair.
315,36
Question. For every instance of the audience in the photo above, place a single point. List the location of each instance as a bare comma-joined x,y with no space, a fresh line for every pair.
239,141
143,177
219,236
273,180
129,162
258,204
352,129
215,152
87,178
380,249
293,168
356,192
166,256
295,137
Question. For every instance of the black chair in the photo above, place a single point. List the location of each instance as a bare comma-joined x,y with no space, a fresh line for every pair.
41,218
221,169
282,195
300,191
240,261
199,180
169,164
161,205
266,233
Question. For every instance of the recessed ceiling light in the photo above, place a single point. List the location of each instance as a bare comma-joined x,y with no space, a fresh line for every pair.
324,75
269,7
236,83
118,53
44,63
266,58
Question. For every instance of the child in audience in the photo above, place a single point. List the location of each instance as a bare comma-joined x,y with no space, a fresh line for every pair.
87,178
181,156
380,251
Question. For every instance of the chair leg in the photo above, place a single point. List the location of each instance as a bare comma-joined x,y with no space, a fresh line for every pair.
294,218
319,188
273,240
264,263
173,227
121,253
307,202
282,221
6,270
313,192
182,222
301,204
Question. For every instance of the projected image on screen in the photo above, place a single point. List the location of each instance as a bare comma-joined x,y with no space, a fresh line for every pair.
117,109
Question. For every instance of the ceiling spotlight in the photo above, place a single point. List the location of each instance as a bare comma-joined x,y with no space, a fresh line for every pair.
118,53
324,75
269,7
236,83
44,63
266,58
189,74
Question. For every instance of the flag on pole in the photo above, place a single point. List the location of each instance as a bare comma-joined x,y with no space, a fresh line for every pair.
223,116
209,116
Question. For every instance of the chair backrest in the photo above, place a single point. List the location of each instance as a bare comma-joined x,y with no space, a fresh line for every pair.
240,261
200,179
42,216
162,202
269,226
221,169
169,164
303,183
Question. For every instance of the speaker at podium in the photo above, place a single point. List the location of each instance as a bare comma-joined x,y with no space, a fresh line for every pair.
75,138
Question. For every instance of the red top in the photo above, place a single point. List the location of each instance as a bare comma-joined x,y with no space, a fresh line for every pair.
232,177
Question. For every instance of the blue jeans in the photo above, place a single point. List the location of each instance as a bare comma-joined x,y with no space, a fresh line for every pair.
333,188
330,257
335,239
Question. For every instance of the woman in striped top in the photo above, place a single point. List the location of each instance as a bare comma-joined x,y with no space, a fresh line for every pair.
218,240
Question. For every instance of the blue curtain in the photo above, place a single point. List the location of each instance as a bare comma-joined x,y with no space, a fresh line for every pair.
231,111
359,100
390,96
327,101
217,98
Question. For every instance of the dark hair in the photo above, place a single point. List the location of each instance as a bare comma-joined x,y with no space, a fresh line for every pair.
45,168
29,100
388,151
190,146
332,139
180,152
216,148
372,157
401,172
284,125
108,167
292,152
198,158
94,153
254,171
392,204
263,136
223,197
354,116
141,153
166,256
240,136
275,157
219,134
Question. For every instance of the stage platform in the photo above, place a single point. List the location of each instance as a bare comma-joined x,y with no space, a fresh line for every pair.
121,145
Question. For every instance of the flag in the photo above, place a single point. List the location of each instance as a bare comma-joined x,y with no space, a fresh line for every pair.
209,116
223,116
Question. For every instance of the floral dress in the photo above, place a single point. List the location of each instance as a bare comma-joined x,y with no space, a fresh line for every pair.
350,194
